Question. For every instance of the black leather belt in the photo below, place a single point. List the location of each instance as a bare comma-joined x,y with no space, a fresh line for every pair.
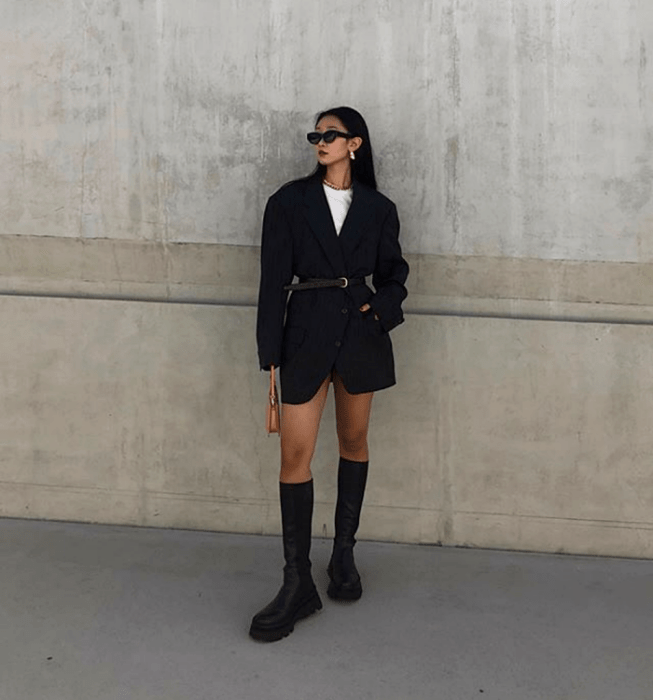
313,283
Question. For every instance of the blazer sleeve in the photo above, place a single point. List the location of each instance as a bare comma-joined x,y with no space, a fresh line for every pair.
276,271
390,275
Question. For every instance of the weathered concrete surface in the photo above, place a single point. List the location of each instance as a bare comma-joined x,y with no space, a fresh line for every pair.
501,433
502,128
226,274
139,142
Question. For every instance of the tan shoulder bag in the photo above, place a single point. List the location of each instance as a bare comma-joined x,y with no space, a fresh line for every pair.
273,413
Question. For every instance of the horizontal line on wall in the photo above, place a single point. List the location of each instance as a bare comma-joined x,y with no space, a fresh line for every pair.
194,301
61,265
597,318
264,502
594,522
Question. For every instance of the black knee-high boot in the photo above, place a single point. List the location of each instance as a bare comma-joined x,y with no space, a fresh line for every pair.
298,597
345,580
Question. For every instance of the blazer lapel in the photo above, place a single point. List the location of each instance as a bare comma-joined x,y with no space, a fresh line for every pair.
319,217
362,205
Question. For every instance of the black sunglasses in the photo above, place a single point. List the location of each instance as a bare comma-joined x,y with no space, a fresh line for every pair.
328,136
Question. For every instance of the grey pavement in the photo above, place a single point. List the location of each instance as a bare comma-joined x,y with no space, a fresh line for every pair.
93,612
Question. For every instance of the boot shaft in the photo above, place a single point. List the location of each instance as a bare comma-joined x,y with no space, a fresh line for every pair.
296,524
352,479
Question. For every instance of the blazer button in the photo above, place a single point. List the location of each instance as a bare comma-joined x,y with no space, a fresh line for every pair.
344,311
338,343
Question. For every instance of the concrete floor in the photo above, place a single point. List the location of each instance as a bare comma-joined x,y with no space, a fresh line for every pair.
115,613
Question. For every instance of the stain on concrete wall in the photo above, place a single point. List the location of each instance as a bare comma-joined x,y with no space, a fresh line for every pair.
519,129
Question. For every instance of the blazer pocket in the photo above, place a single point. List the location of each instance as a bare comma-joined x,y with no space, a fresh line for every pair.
372,325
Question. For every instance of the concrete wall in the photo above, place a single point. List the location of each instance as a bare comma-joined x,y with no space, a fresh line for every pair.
140,141
174,120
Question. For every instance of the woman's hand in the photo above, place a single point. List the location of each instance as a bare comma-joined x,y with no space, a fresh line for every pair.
367,307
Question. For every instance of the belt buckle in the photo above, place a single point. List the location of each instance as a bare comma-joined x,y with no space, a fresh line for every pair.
345,282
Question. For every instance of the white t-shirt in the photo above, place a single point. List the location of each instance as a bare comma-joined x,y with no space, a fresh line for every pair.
339,203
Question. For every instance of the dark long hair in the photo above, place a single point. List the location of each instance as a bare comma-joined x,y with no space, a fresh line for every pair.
362,168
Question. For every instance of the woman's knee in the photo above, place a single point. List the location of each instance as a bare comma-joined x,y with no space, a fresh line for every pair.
352,442
295,458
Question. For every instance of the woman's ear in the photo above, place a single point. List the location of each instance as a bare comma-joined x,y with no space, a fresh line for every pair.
355,143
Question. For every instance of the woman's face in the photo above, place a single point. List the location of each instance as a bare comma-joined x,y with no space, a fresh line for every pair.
338,150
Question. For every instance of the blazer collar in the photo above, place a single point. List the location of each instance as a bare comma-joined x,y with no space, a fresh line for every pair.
319,217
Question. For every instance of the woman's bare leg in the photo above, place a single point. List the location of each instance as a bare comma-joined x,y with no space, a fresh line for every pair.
299,426
352,421
298,596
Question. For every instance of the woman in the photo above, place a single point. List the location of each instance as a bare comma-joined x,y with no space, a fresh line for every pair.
331,230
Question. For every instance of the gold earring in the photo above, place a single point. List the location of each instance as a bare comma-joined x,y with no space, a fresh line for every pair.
351,155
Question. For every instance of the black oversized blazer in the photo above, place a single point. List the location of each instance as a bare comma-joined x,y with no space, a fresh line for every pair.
322,329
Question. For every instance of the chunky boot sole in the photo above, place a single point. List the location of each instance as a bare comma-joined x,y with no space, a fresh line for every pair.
274,635
336,592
